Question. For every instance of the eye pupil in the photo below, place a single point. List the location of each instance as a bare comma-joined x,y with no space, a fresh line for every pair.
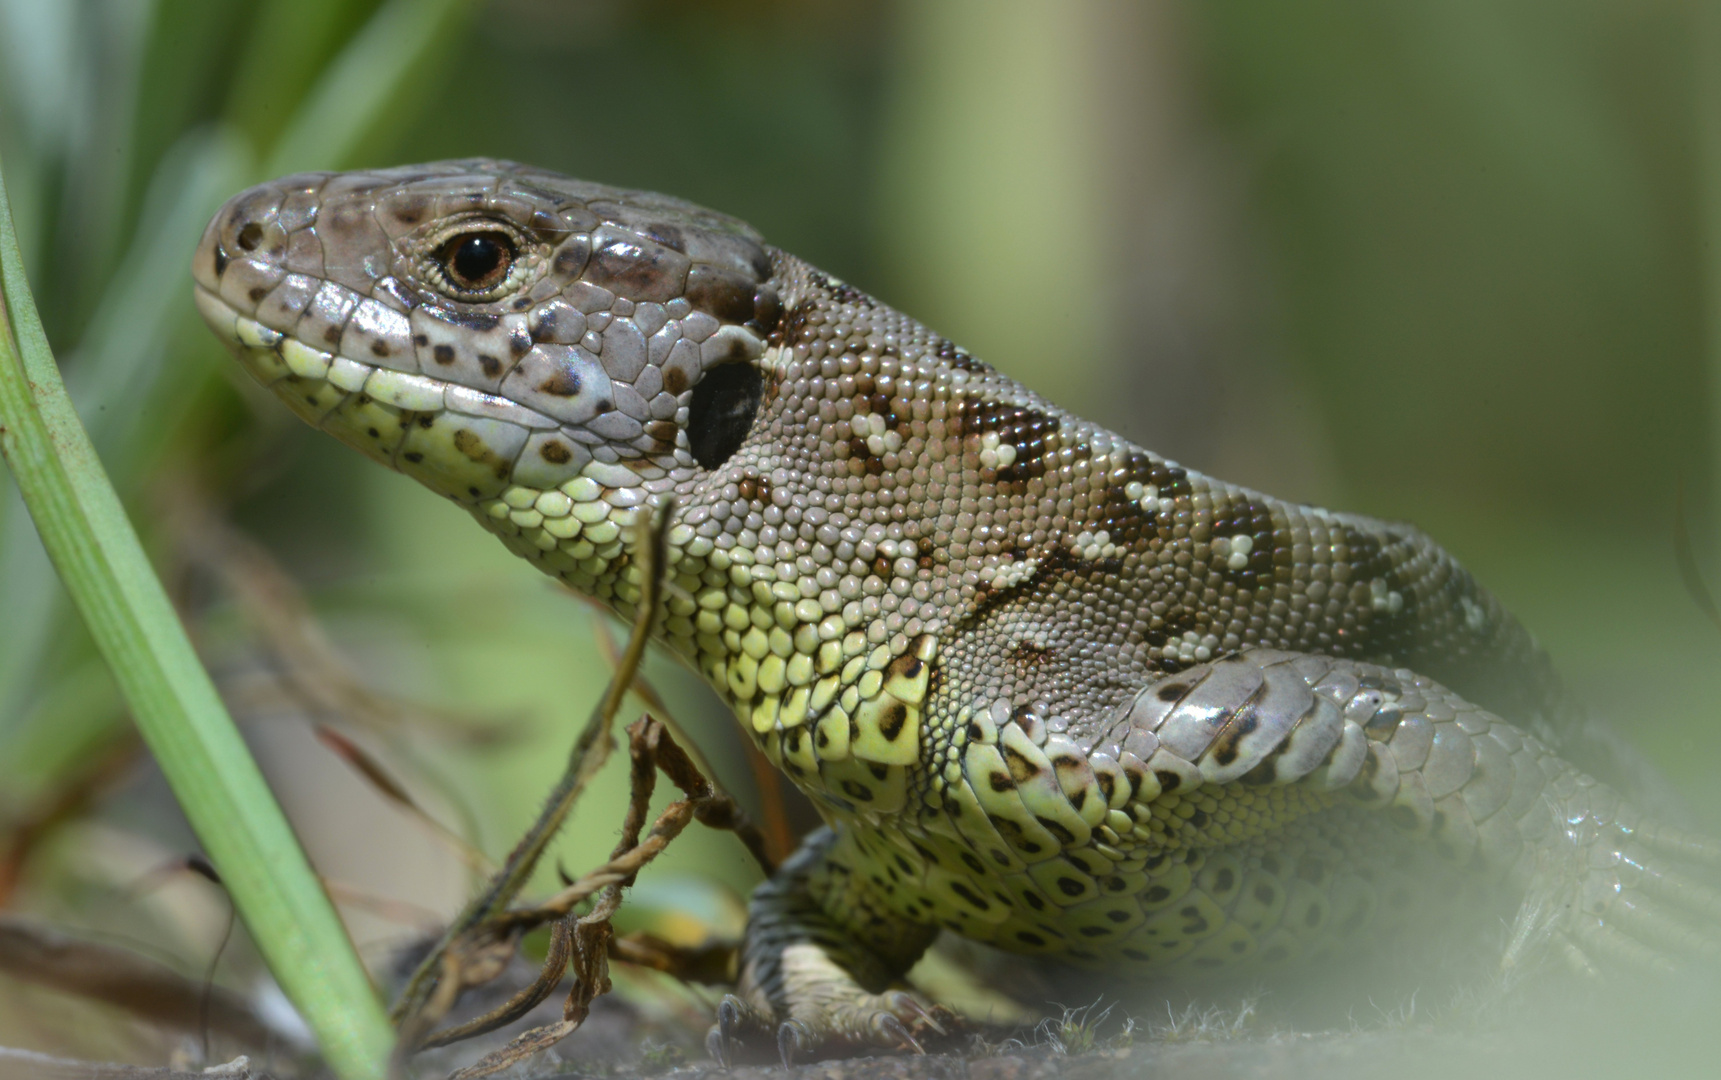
478,261
477,258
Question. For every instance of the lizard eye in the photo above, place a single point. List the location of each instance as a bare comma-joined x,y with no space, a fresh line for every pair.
725,401
476,262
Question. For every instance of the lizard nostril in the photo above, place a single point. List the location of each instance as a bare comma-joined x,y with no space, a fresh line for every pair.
250,236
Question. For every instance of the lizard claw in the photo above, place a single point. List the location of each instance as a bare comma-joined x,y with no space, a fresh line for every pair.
794,1036
715,1048
890,1029
909,1006
724,1038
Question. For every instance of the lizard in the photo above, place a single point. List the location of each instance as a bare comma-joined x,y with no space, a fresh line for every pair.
1048,690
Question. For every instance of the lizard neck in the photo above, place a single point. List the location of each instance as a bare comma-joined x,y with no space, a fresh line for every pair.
840,713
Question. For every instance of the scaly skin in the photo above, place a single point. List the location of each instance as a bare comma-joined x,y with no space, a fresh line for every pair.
1049,690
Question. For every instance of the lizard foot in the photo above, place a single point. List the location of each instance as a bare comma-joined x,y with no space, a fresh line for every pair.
1638,903
824,1029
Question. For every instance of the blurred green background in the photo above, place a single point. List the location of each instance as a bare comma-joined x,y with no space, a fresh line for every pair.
1449,261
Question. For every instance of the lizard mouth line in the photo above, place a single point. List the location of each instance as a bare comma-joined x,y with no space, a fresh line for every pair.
472,446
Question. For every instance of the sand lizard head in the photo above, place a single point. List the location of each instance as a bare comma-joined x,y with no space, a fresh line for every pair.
486,327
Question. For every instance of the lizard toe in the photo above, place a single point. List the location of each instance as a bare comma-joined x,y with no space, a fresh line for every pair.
737,1030
794,1038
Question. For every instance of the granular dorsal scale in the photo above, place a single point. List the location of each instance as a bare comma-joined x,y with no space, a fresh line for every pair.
1050,690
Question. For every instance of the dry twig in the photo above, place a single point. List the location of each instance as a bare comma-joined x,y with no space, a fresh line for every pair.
35,953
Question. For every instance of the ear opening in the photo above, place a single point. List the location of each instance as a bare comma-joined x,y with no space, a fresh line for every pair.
725,403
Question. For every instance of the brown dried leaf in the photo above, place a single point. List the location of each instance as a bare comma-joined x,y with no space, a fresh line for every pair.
393,790
712,964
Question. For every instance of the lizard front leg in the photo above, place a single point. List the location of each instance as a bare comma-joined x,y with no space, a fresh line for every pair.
821,953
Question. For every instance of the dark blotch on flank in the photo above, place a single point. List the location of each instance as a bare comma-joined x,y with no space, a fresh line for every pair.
413,456
969,895
492,366
1021,768
444,354
1168,780
556,453
257,293
378,347
1171,691
890,724
1225,751
1063,835
1070,886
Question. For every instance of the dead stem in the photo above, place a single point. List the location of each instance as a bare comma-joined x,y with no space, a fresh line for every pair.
464,955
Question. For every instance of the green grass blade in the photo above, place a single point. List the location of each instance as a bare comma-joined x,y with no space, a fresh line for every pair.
31,597
124,351
93,546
